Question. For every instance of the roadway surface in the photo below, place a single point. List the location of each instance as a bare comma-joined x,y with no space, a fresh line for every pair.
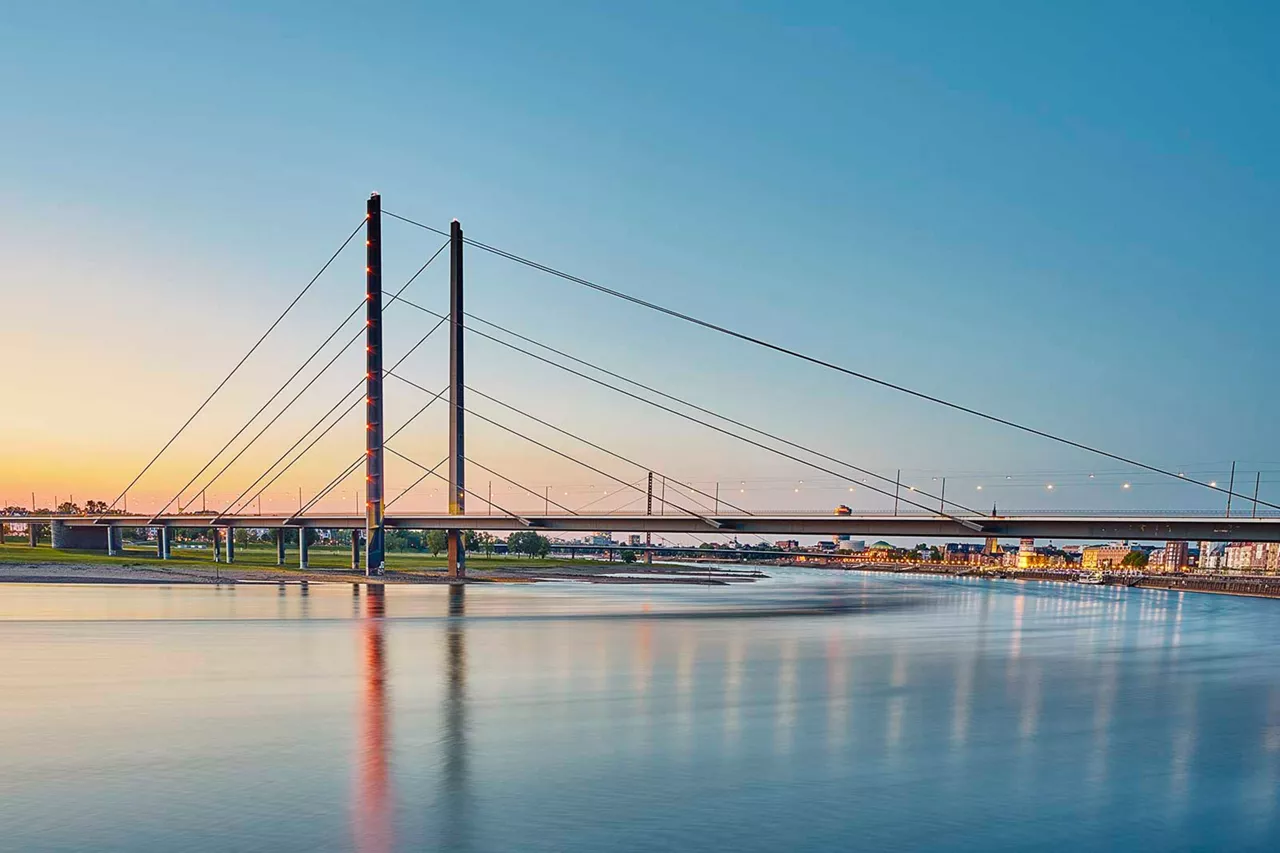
1191,528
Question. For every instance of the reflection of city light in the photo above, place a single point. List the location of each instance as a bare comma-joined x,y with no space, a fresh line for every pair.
1050,486
1126,485
1214,483
979,488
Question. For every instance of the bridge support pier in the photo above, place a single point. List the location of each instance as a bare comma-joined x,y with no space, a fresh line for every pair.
231,545
4,528
217,544
33,535
279,546
355,550
304,540
162,543
111,541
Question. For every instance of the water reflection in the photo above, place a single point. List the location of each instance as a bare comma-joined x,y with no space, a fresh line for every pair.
455,805
806,717
372,824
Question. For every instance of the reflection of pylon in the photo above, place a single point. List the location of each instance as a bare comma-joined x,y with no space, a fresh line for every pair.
372,824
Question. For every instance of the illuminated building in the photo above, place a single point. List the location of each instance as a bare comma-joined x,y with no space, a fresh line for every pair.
1026,552
1097,557
1176,556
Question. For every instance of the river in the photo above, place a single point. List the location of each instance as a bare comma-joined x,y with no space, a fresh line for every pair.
812,711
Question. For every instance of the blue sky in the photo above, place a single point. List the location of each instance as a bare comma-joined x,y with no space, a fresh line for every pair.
1056,212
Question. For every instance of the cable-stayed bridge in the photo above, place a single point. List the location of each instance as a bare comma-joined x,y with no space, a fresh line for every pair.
916,512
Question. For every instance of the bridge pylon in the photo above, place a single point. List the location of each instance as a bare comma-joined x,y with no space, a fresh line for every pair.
457,454
375,530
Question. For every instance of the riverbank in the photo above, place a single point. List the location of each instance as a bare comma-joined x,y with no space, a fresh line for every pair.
22,564
1252,586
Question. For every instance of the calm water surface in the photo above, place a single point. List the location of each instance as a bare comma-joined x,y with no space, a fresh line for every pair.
814,711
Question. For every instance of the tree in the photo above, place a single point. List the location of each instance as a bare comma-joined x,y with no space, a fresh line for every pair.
436,541
529,543
1135,560
478,541
628,556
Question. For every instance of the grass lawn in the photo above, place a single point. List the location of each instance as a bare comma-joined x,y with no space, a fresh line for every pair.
264,556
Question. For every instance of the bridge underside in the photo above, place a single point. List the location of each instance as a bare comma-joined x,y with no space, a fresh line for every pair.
1041,527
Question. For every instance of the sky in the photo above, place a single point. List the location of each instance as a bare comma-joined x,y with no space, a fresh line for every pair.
1058,213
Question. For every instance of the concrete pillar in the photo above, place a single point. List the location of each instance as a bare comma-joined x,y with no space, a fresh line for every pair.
231,545
279,546
355,550
33,535
162,542
4,528
63,535
217,544
304,539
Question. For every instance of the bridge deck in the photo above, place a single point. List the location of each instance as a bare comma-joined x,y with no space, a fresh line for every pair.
1194,528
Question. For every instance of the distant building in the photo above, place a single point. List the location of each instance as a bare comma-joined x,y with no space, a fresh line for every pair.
787,544
602,539
1211,557
844,543
882,550
969,553
1176,556
1026,551
1097,557
635,539
1238,557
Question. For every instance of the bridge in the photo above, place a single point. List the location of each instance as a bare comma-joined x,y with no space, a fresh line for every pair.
916,512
